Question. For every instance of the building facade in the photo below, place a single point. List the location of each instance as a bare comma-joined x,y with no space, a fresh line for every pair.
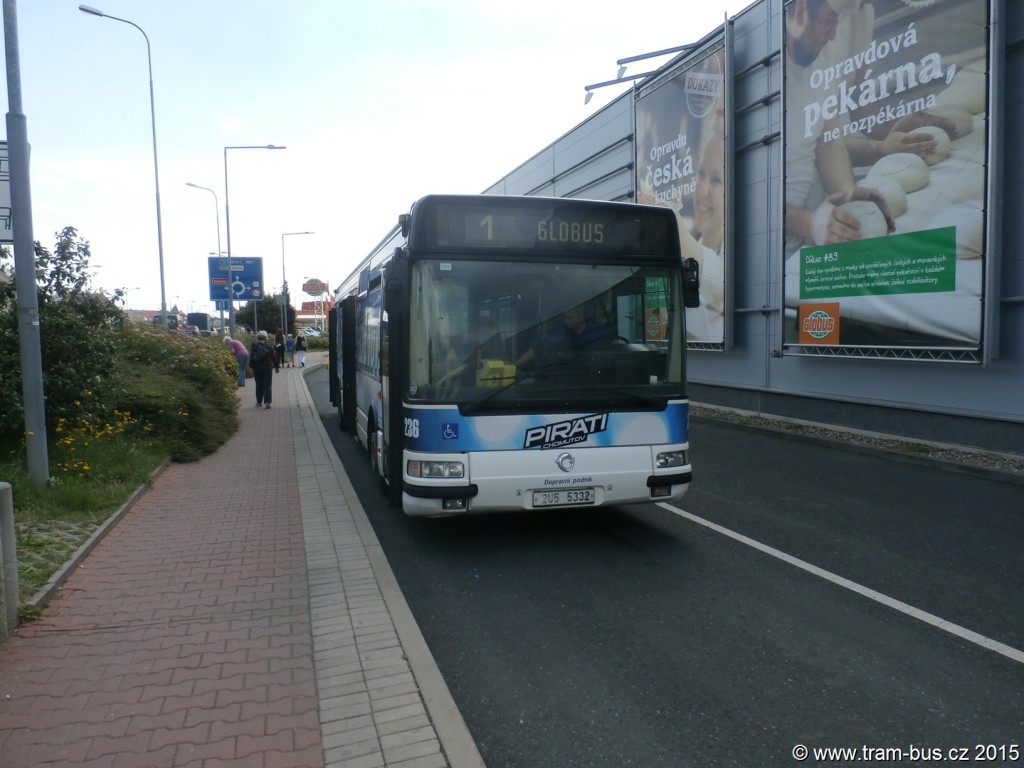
777,136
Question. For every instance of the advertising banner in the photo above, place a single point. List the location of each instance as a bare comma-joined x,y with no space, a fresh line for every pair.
886,144
680,164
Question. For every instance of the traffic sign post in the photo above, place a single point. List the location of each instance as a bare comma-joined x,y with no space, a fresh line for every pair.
244,283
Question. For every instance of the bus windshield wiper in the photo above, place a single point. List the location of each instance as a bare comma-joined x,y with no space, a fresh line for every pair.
470,407
637,397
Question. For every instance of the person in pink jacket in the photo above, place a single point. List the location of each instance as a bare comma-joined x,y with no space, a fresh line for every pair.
241,355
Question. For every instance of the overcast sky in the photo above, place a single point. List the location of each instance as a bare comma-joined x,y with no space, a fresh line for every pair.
378,103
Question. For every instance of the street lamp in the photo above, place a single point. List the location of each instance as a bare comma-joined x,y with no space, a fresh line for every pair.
227,228
216,208
284,280
156,169
216,212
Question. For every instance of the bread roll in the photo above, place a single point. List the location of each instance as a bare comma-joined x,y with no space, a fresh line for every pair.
905,168
890,189
942,142
969,89
961,118
872,221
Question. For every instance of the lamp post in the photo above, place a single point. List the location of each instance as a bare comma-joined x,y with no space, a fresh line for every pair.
216,208
156,168
216,213
227,229
284,281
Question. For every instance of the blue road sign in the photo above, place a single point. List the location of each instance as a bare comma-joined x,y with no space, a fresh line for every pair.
245,283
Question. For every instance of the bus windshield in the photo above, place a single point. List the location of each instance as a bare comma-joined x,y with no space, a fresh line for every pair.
508,334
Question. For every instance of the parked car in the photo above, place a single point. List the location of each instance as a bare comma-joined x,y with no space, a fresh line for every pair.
309,331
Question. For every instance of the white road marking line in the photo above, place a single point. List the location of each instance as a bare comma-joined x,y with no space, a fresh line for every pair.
909,610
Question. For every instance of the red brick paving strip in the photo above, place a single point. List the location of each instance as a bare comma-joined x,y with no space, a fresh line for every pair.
184,638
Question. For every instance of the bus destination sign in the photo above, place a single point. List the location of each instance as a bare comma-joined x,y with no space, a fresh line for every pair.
550,225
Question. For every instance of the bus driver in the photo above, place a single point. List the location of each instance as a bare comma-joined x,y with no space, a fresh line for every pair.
577,332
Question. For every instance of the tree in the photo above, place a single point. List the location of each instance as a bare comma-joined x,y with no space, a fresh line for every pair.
269,315
77,348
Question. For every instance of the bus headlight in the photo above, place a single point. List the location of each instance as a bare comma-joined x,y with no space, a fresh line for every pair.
671,459
417,468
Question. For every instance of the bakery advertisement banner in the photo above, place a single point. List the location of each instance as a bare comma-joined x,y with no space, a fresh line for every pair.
680,164
885,144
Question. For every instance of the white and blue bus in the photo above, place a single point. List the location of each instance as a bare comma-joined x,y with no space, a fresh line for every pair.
500,354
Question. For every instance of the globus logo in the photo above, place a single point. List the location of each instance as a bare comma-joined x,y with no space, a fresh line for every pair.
654,327
314,287
819,324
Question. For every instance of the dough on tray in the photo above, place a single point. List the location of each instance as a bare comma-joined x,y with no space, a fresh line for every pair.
891,190
872,221
905,168
942,142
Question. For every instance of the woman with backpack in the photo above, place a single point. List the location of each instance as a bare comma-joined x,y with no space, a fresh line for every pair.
300,349
264,365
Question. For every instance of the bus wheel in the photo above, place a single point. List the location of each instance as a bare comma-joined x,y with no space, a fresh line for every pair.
376,465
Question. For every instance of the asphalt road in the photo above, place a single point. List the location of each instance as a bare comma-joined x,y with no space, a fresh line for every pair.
642,637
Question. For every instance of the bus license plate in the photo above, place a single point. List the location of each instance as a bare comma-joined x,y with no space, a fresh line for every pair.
564,498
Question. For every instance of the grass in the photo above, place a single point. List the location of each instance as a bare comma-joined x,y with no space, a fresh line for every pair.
176,399
93,472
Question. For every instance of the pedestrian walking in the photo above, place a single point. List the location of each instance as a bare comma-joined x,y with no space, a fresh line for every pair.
300,350
280,347
264,365
241,355
289,344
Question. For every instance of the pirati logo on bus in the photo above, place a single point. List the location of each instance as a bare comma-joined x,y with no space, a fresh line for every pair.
567,432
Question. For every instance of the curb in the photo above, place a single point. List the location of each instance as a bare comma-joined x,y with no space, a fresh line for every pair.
457,742
920,460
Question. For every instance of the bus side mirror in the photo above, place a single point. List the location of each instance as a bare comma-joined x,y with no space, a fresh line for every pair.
691,283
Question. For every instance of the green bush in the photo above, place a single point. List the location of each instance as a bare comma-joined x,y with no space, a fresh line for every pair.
177,392
182,387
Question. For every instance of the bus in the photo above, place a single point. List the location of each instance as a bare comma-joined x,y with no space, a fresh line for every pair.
503,354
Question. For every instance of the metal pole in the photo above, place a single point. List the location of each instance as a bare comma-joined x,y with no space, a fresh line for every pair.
156,166
29,344
284,280
284,292
216,213
227,229
216,209
8,559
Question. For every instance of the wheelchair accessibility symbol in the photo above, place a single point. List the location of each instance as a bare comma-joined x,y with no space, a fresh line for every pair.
450,431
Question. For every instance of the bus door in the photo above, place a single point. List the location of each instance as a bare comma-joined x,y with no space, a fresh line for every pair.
392,372
346,361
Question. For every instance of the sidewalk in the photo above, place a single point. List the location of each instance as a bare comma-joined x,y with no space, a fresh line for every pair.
241,613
